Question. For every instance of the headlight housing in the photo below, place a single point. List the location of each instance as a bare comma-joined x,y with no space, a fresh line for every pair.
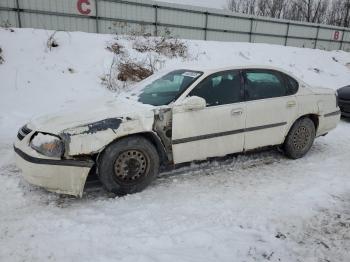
48,145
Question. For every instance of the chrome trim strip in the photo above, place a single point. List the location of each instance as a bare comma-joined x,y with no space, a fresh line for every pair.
227,133
332,114
61,162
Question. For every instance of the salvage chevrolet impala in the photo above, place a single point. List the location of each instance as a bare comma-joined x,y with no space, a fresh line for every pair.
171,118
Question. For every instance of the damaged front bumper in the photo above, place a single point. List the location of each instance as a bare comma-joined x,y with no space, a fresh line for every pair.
63,176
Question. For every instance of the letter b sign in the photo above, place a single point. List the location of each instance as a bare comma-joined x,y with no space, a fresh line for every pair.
336,35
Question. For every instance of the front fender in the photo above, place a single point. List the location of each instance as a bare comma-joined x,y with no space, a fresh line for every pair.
94,137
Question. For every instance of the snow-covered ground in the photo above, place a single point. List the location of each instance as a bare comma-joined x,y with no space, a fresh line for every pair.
255,207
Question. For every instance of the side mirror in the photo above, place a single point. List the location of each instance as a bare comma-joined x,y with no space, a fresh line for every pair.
193,103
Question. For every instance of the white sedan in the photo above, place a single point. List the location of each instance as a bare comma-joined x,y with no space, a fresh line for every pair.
171,118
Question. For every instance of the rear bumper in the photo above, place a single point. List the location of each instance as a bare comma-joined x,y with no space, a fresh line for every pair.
55,175
328,122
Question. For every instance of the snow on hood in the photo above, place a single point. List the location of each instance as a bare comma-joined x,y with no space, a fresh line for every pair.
91,111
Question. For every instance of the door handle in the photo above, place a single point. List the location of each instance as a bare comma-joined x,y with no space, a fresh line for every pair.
237,112
291,104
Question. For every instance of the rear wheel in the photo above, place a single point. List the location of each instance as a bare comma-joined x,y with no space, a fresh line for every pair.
300,138
128,165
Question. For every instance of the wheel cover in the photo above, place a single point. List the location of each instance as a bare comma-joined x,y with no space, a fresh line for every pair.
131,166
301,138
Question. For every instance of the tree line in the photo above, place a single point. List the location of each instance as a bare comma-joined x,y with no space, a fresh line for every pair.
332,12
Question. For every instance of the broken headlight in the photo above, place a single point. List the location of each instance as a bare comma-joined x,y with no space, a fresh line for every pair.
47,145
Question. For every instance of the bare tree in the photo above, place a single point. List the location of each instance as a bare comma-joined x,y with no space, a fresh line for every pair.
276,8
334,12
313,11
339,13
233,5
242,6
249,7
272,8
335,15
345,19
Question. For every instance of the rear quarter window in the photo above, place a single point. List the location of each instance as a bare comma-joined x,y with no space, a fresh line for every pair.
292,84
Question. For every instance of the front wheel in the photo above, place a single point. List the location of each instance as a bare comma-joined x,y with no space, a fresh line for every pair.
300,138
128,165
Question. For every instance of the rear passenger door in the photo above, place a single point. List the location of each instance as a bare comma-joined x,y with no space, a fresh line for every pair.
271,106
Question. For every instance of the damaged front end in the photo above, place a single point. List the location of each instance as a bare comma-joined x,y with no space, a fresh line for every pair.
163,128
92,138
38,155
60,161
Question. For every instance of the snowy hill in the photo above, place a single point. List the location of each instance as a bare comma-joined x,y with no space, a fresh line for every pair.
42,80
257,207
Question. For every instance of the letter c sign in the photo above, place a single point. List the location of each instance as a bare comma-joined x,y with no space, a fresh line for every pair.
83,10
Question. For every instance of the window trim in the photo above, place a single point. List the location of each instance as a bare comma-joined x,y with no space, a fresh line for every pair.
282,76
241,93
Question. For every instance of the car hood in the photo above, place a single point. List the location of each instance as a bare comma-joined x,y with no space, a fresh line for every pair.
344,93
91,112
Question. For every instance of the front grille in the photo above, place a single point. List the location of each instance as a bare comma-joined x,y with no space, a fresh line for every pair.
23,132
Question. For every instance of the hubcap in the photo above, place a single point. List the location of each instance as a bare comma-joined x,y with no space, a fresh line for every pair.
130,166
301,138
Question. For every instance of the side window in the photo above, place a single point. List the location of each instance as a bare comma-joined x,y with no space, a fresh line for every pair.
262,84
220,88
293,85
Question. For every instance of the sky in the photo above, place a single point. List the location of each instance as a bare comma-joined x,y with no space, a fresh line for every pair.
204,3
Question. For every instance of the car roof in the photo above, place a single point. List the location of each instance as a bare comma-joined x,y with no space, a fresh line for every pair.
208,70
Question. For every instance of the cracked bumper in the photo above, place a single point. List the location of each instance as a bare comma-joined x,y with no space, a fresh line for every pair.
55,175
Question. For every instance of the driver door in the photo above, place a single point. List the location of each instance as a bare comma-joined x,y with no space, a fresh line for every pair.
216,130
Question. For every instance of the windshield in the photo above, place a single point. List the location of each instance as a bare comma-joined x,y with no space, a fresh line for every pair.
165,89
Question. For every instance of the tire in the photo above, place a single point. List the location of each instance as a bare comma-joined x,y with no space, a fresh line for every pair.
128,166
300,138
